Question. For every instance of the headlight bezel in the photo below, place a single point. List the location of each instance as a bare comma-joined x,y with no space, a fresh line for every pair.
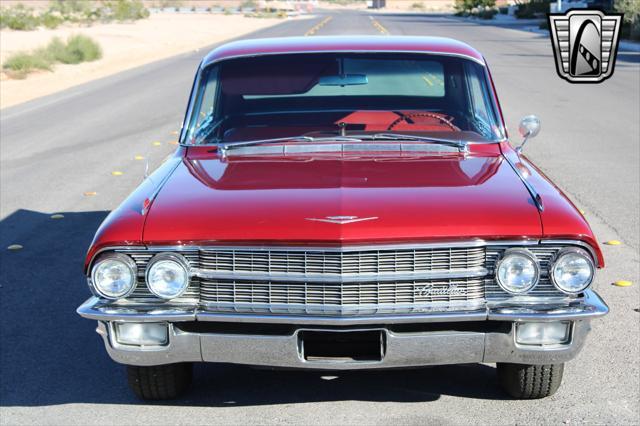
524,253
168,256
128,261
580,252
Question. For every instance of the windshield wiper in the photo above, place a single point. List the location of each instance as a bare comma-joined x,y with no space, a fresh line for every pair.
458,143
231,145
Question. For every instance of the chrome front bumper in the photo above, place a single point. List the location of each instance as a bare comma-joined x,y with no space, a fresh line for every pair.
402,349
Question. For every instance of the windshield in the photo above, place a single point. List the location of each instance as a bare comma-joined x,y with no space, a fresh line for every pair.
326,94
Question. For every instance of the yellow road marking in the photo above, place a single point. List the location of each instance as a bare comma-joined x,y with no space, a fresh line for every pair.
425,78
613,243
117,173
14,247
156,143
57,216
623,283
379,26
90,193
317,27
138,157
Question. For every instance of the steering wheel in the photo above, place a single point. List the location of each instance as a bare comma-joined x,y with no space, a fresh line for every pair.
407,118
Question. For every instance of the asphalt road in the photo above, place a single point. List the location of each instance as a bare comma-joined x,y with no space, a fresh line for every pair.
54,370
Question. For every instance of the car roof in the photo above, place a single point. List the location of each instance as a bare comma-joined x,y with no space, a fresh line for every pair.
328,44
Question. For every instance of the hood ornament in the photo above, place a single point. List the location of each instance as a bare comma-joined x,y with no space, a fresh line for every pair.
340,220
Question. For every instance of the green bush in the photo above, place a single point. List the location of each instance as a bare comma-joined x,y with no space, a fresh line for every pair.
50,20
19,18
78,48
473,6
631,25
533,9
126,10
483,9
20,64
504,10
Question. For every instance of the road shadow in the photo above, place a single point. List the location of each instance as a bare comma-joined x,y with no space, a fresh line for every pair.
50,356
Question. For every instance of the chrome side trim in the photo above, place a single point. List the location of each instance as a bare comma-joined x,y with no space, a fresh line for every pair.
341,278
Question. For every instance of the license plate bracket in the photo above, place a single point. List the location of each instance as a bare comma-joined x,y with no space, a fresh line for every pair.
342,346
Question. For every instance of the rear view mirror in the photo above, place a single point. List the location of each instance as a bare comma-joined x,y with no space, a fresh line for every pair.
343,80
529,128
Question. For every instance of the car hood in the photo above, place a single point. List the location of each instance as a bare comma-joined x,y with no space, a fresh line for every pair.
340,199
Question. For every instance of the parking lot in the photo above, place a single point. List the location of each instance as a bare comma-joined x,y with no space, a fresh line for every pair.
79,153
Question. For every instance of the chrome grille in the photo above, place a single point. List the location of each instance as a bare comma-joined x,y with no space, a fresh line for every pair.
398,296
243,296
334,263
213,289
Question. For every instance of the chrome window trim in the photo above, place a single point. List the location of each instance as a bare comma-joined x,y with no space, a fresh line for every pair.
328,52
204,65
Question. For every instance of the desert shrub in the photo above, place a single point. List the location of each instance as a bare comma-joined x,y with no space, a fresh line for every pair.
79,48
51,20
417,5
533,9
20,64
19,17
126,10
631,25
484,9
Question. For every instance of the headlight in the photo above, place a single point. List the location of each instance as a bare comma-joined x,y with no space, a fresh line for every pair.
114,275
573,270
518,271
168,275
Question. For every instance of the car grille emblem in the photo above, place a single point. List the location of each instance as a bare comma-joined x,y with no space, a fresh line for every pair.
340,220
585,43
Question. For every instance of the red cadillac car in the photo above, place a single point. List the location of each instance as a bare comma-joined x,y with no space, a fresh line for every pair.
345,203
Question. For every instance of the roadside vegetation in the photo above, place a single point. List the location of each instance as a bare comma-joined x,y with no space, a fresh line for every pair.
483,9
631,25
76,49
86,12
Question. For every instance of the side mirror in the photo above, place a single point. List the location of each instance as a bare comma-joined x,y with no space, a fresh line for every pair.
529,127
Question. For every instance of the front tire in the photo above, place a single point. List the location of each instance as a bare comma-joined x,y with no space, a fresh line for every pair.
160,381
526,381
